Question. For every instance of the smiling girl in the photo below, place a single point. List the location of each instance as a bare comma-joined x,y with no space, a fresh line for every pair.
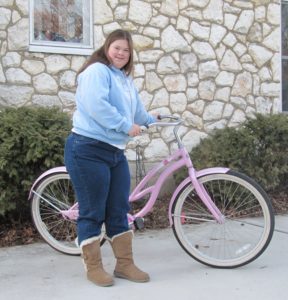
108,113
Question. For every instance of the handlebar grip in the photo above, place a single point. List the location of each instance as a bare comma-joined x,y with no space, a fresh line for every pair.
161,117
144,128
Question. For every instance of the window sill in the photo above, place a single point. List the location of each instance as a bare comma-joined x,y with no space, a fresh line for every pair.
60,50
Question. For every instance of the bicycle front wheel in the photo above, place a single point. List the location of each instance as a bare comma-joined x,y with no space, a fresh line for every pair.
54,194
246,231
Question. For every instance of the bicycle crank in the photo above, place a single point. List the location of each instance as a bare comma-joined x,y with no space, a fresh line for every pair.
139,223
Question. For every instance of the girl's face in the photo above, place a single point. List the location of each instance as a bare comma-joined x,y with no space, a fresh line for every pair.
119,53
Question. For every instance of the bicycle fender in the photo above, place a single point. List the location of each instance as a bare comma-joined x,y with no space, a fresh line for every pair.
61,169
179,188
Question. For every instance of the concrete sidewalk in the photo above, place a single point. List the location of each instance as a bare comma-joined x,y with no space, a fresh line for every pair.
39,272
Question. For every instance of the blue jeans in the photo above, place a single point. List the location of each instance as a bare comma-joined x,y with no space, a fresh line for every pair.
101,179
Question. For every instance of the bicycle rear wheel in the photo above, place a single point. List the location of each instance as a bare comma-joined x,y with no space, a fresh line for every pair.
52,194
246,231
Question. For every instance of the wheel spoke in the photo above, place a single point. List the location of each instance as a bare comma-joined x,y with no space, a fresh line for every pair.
53,195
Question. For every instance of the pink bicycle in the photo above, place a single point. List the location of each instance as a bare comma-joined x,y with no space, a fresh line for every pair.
220,217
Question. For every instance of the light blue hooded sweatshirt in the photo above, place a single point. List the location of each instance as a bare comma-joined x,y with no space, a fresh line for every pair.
107,105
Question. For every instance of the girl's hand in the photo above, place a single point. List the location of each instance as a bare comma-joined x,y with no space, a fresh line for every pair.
134,130
155,115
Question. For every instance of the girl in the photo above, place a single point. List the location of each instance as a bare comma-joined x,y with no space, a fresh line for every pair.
108,113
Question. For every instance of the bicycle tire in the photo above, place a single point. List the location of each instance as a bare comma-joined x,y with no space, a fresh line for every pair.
246,231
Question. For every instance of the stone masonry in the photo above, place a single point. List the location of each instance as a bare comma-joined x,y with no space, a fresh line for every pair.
213,62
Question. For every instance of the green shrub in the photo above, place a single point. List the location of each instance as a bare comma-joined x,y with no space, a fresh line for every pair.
258,148
31,141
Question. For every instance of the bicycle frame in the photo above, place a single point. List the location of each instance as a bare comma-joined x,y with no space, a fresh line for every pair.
179,159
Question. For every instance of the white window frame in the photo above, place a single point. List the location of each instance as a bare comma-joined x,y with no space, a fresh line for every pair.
60,47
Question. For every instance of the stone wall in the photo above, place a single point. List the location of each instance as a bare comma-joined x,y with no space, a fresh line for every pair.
213,62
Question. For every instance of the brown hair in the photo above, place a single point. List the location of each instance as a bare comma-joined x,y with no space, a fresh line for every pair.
101,56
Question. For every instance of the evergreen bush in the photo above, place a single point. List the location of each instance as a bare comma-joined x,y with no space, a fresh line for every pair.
31,141
258,148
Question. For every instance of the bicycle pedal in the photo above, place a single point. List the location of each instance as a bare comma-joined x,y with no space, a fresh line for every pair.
139,223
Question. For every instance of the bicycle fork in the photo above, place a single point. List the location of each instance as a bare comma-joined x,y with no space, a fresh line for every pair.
204,196
201,191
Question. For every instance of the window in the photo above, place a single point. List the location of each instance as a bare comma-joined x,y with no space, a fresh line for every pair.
61,26
285,55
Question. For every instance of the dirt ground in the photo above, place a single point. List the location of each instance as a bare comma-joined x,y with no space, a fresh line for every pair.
14,233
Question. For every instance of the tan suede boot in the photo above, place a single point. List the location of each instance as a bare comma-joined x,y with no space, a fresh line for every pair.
91,255
125,267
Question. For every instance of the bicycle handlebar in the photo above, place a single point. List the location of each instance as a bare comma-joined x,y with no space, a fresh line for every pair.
177,122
